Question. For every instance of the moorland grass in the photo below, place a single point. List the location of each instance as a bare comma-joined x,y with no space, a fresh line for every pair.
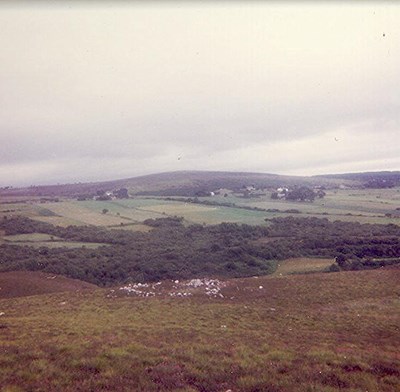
320,332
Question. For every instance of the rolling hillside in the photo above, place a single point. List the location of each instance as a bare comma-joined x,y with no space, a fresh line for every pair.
183,183
383,179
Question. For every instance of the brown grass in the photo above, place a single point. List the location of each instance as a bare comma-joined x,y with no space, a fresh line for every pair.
298,333
25,283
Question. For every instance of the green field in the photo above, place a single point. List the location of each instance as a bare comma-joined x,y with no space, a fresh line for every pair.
302,333
140,209
31,237
302,265
61,244
130,213
38,240
361,205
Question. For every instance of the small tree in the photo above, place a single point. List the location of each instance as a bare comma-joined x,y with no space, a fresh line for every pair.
302,193
121,193
341,261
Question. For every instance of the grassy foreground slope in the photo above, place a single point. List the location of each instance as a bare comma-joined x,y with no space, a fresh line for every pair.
320,332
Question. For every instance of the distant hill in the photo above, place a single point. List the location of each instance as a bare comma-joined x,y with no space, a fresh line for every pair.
381,179
180,183
188,183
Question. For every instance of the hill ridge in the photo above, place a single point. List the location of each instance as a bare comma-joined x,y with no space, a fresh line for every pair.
176,180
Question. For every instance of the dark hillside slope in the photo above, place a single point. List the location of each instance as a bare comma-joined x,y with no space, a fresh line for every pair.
26,283
381,179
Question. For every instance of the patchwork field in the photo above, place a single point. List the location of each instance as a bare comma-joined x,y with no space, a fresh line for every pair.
361,205
141,209
74,213
298,333
364,206
130,213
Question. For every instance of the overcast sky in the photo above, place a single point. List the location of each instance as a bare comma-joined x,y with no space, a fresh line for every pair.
96,91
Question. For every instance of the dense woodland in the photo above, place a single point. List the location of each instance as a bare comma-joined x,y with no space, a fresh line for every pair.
173,251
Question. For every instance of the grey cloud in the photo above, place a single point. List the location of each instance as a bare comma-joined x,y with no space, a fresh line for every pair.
138,85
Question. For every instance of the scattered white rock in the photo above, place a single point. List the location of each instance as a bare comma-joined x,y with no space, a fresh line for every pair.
139,289
195,283
210,287
2,313
179,294
260,287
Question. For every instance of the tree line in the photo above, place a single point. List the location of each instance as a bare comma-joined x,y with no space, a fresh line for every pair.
174,251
